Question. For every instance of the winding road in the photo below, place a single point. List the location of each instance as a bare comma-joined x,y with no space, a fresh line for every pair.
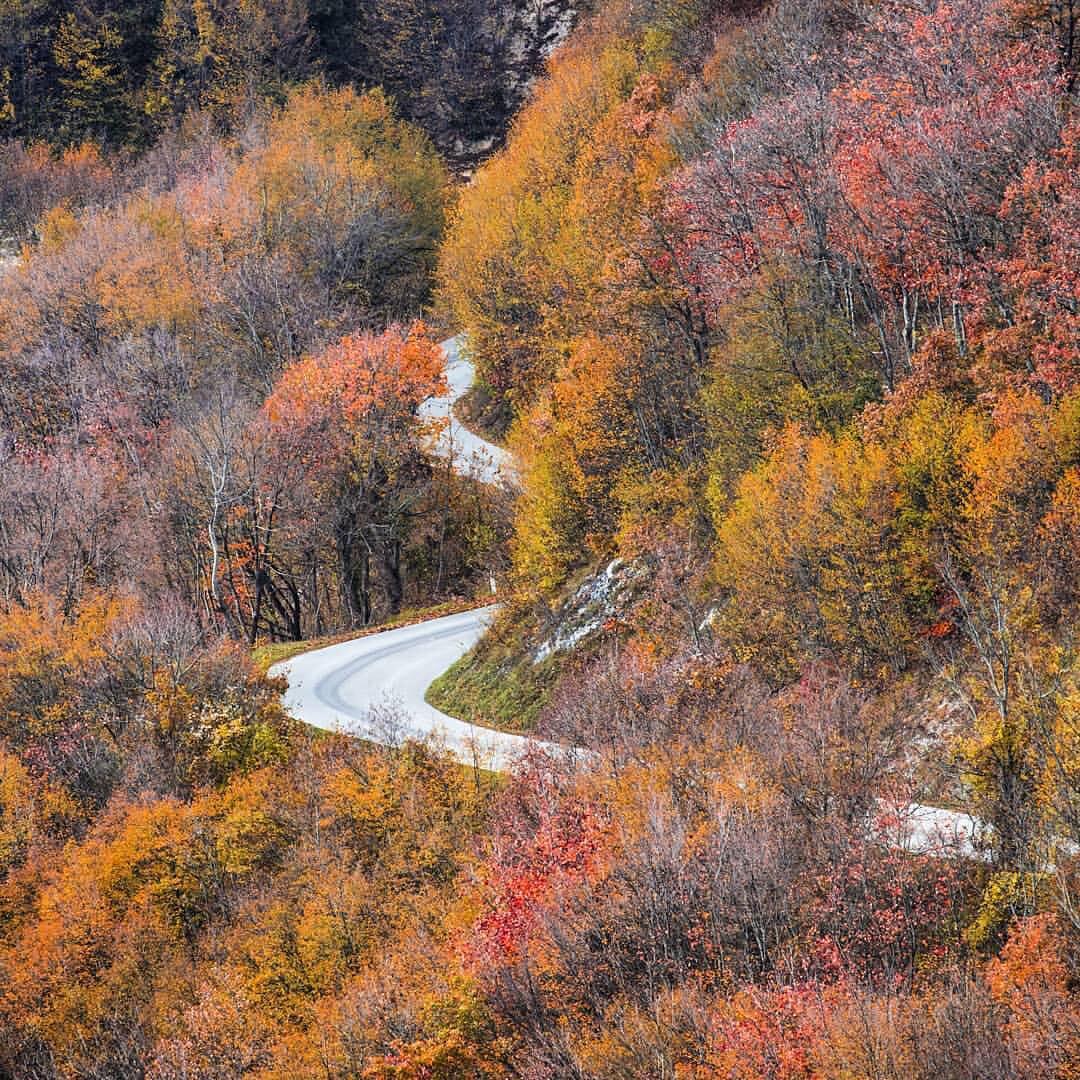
374,687
467,453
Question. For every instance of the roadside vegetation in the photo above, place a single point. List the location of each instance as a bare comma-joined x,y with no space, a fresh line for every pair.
497,684
776,305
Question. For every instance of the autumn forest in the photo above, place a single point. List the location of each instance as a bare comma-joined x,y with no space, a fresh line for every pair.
774,305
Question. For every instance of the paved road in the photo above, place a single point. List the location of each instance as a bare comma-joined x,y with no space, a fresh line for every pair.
469,454
374,687
930,830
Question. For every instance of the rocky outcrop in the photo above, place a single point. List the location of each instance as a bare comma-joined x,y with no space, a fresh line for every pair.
599,599
518,38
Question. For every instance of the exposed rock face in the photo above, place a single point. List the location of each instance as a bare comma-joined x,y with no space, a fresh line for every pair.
518,38
600,598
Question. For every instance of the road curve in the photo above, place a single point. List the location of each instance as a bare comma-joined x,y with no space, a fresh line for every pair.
374,687
468,454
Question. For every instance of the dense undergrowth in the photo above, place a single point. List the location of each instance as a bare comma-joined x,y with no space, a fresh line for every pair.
781,300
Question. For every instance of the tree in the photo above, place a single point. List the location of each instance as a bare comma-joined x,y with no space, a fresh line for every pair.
93,80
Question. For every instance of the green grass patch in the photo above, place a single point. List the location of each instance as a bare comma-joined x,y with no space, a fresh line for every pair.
484,414
497,685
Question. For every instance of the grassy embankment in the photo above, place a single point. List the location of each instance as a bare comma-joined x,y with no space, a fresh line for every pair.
496,684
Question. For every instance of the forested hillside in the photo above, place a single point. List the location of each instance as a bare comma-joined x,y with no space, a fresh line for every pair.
121,74
777,306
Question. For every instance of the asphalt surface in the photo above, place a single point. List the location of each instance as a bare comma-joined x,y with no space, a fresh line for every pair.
468,453
374,687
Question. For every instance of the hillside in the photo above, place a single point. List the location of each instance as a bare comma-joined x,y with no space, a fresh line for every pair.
775,309
120,74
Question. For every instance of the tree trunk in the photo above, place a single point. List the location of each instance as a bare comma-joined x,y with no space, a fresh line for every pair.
391,560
